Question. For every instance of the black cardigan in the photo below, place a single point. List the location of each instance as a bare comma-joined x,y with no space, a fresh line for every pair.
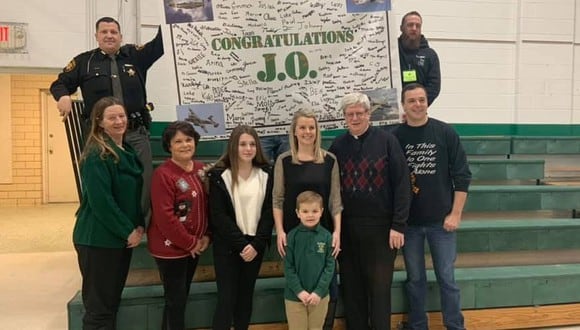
227,236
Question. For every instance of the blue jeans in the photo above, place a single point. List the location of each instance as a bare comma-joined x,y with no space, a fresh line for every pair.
274,145
442,245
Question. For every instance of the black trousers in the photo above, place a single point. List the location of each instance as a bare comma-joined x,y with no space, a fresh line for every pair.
176,275
104,273
235,281
138,138
366,274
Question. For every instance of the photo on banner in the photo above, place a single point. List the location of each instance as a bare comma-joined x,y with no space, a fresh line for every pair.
263,60
207,119
177,11
360,6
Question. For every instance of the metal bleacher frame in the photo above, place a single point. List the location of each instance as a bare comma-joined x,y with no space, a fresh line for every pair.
76,140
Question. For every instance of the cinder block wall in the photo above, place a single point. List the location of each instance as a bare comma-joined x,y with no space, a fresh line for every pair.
26,186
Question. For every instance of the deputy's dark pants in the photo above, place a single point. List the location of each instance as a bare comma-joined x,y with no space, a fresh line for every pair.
235,281
138,138
104,273
176,275
366,273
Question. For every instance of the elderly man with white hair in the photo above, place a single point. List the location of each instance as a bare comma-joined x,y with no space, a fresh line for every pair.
376,196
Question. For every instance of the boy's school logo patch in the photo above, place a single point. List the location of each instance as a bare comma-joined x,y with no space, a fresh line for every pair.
321,247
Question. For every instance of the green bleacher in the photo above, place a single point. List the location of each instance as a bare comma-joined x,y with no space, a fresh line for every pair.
507,169
518,247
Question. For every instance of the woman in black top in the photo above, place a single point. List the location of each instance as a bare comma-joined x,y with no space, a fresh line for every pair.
306,166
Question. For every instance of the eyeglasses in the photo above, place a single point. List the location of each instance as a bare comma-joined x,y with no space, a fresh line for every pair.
358,114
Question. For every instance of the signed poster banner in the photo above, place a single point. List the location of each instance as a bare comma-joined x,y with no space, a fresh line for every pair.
256,62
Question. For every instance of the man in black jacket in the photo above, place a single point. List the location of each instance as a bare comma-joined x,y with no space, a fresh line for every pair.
419,63
119,71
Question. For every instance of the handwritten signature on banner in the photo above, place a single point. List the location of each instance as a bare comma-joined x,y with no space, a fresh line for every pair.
263,60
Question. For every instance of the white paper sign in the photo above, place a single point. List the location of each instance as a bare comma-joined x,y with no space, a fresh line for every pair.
265,59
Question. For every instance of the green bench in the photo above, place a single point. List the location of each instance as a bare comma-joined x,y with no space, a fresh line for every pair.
507,145
493,287
545,145
518,235
482,287
473,145
142,259
206,150
479,236
142,306
481,169
507,169
327,141
157,149
489,287
486,145
522,198
501,263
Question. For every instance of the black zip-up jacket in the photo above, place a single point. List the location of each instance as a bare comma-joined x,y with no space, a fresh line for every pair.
426,64
227,236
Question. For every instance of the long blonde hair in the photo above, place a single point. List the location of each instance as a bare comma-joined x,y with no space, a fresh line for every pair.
97,135
319,153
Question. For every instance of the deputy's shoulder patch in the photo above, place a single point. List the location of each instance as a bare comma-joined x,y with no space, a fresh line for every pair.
70,66
139,47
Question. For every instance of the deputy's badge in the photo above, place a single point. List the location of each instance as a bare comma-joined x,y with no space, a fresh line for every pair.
129,69
182,185
70,66
321,247
139,47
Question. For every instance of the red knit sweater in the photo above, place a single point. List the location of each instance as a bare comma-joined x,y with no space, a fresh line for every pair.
179,205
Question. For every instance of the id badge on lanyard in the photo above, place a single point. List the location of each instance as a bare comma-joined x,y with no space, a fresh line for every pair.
409,76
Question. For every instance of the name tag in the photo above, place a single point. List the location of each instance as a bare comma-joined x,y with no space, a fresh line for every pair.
409,76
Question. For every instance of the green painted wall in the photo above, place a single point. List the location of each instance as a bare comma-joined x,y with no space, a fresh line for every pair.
517,130
469,129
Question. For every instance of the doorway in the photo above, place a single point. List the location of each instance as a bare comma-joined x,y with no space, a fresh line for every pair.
59,179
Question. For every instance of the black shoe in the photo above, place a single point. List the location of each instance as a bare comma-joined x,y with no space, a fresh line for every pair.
403,326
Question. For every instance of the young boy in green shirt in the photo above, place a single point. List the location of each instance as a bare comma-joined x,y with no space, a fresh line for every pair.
308,266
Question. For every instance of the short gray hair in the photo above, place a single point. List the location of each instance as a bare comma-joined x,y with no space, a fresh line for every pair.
355,99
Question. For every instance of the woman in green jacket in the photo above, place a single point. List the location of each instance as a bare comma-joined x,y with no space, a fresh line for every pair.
109,220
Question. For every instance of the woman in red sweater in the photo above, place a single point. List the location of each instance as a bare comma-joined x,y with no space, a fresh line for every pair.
178,232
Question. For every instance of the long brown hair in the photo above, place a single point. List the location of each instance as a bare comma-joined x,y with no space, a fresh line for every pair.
230,158
97,135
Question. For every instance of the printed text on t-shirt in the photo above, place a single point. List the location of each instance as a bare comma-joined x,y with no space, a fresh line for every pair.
422,158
